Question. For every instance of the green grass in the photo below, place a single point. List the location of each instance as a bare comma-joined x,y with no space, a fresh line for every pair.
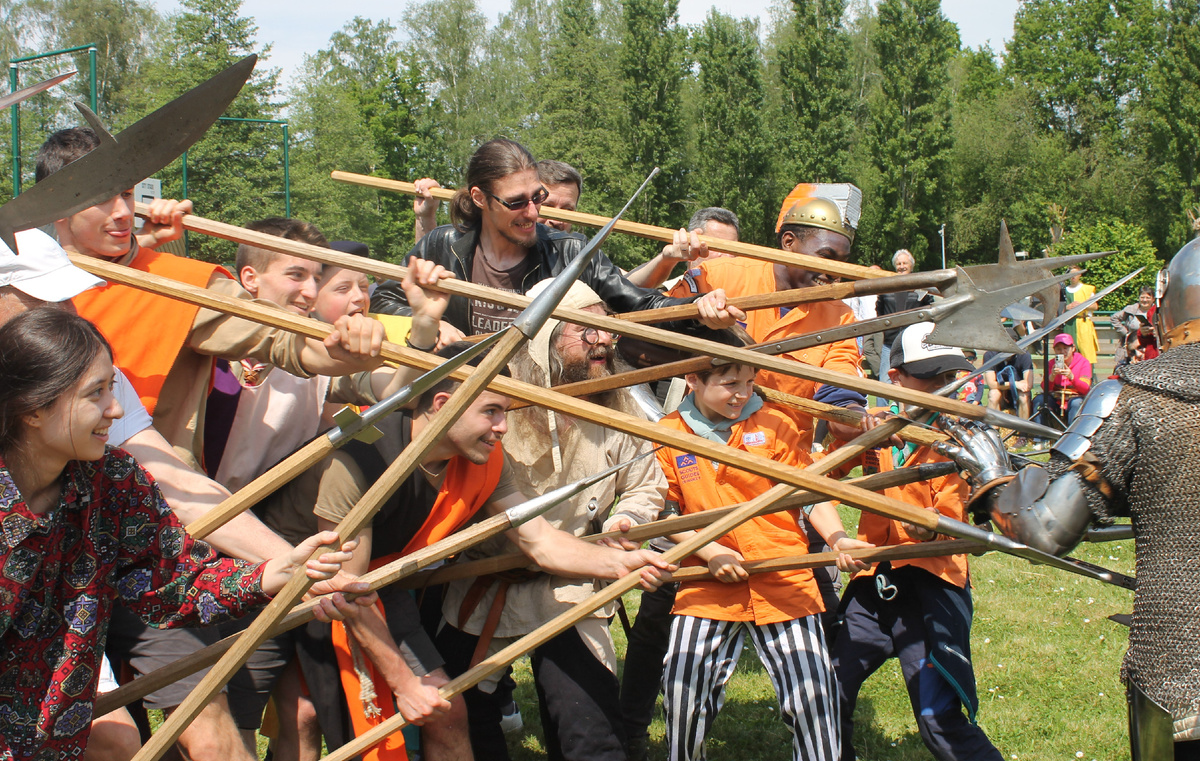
1046,661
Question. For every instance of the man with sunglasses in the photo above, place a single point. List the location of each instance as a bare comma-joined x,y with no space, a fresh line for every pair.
496,240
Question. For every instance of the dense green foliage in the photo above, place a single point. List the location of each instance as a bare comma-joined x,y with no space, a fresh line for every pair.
1133,249
1091,108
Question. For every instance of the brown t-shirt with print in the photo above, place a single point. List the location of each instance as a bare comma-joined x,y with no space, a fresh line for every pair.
491,318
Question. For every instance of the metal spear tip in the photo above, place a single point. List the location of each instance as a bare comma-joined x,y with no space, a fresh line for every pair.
352,425
534,316
530,509
119,163
25,93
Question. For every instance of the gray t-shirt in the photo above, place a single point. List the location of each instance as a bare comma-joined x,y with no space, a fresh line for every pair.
135,420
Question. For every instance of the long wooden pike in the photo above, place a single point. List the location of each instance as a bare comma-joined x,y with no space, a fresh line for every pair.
523,328
813,407
387,270
646,531
377,579
934,549
699,346
775,255
822,410
350,428
790,298
577,612
639,427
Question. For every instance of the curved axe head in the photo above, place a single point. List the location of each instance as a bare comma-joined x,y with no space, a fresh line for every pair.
1009,272
133,155
977,324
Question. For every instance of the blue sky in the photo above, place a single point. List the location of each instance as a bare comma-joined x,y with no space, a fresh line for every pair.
298,27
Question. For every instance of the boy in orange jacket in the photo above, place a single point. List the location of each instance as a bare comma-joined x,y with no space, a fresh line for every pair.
916,610
779,610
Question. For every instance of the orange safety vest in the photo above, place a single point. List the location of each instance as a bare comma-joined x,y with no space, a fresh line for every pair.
696,485
947,493
147,331
464,491
740,276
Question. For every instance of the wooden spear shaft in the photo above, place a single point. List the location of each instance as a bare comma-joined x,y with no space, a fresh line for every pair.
934,549
576,407
579,611
913,433
387,270
499,563
775,255
407,572
350,526
739,355
301,614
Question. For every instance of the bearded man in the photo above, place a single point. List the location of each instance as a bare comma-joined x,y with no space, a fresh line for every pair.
575,672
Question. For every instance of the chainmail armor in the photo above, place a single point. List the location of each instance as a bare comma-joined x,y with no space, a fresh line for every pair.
1149,450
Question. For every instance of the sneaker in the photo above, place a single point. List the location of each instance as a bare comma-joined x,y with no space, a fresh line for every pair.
510,718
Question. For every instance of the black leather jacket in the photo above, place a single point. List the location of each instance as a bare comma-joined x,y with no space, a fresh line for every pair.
455,251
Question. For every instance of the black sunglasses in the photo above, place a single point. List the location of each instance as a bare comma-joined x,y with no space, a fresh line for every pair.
538,199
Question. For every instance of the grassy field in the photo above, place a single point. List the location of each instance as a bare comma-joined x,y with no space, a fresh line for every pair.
1046,660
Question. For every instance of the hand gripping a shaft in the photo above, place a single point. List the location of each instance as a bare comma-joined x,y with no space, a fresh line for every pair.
977,449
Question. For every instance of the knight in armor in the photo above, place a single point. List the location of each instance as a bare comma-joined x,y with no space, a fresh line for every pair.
1131,451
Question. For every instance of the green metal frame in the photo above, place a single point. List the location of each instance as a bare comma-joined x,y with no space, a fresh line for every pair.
13,68
287,176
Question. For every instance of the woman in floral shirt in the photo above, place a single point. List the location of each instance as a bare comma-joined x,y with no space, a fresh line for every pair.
82,525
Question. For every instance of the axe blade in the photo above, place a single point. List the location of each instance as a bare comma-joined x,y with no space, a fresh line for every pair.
978,325
119,163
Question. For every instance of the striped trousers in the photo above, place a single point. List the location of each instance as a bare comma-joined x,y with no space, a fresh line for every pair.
701,659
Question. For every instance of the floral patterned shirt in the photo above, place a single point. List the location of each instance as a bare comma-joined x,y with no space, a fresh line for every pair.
111,536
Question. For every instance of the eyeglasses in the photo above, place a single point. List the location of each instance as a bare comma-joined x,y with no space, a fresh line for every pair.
538,199
590,336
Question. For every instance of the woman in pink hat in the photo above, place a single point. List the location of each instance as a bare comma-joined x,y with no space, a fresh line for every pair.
1068,379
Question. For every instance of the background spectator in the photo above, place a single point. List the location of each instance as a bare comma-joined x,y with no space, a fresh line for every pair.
1135,327
890,303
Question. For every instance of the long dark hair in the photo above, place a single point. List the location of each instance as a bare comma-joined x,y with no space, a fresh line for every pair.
43,354
494,160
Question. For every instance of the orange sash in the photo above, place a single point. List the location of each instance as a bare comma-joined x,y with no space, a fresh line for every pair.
147,331
466,488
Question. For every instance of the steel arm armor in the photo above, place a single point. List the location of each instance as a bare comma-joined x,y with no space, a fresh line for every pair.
1047,514
1053,515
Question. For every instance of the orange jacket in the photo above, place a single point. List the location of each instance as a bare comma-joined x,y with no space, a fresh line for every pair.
147,331
740,276
696,485
946,493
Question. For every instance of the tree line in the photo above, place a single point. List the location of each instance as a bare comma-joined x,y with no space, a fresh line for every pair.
1085,121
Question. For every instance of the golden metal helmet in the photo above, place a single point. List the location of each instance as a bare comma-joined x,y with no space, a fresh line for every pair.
818,212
